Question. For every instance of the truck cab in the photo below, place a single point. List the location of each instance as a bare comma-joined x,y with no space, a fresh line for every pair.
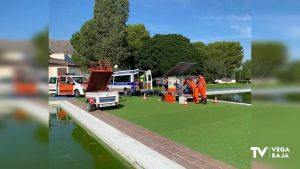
67,85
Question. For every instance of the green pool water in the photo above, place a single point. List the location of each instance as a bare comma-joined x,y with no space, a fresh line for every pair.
72,147
28,144
23,142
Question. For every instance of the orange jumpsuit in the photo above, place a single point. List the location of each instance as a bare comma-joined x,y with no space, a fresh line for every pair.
202,87
195,90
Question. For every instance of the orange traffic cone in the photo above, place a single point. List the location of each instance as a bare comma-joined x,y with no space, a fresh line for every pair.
216,99
145,96
185,102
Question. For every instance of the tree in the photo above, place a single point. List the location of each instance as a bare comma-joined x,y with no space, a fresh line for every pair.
227,55
199,46
245,72
290,73
267,58
137,35
40,42
162,52
105,35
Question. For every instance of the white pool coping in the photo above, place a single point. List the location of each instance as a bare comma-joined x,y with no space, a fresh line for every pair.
227,91
238,103
136,153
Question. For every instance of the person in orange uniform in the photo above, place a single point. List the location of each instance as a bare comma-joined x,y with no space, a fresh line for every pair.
202,88
195,90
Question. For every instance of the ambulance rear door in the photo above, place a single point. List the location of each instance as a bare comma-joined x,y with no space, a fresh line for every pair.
148,80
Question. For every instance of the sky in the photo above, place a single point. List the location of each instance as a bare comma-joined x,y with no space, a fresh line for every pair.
22,19
198,20
279,22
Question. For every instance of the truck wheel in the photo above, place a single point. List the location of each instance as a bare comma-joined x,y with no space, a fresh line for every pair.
90,107
77,93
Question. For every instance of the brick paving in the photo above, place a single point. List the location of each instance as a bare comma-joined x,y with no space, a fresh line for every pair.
178,153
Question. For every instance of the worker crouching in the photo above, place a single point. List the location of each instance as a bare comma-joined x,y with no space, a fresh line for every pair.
194,89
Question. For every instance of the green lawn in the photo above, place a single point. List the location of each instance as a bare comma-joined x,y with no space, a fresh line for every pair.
277,124
219,130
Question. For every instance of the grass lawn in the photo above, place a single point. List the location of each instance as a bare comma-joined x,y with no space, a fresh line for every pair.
277,124
219,130
219,86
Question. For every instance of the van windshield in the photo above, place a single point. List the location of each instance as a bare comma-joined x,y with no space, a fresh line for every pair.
80,80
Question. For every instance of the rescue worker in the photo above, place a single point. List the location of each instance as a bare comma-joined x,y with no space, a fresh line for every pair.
195,90
202,88
142,77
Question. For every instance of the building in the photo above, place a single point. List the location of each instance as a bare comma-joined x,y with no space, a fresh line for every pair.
60,60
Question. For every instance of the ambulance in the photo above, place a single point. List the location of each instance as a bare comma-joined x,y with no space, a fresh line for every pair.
131,81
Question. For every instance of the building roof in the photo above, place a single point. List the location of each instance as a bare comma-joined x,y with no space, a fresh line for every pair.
61,46
16,46
59,62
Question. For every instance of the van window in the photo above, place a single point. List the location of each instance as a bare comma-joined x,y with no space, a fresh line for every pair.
125,78
80,80
63,80
69,81
52,80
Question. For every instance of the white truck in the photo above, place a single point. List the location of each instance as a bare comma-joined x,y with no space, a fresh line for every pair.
97,94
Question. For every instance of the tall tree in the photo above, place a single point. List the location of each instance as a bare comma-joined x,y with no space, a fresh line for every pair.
40,42
137,35
105,35
162,52
267,58
245,72
230,54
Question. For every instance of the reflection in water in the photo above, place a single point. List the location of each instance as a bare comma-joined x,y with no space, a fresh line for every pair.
20,115
237,97
72,147
41,135
101,156
23,142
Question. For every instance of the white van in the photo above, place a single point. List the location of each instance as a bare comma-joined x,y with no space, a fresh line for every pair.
67,85
131,81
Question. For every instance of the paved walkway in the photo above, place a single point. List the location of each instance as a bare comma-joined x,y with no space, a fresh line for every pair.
178,153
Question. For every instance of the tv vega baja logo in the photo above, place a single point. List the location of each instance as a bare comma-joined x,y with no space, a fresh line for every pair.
270,152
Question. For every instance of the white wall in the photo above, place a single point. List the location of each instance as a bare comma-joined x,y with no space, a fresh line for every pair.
60,56
53,70
75,70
